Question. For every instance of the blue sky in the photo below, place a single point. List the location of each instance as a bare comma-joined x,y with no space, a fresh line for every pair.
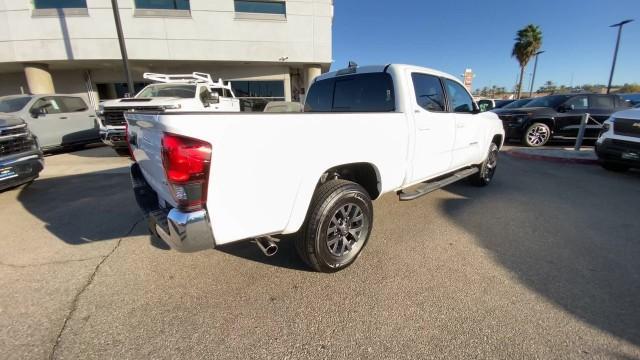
453,35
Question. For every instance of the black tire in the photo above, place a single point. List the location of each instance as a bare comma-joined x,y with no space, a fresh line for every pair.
487,168
614,167
537,134
122,151
318,245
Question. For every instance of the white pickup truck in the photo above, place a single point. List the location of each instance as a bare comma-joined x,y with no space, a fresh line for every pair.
206,180
169,93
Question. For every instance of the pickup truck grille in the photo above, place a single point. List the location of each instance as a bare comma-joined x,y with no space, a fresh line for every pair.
621,145
627,127
14,140
115,116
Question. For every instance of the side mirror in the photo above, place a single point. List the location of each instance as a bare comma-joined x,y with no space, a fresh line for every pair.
214,98
565,108
37,112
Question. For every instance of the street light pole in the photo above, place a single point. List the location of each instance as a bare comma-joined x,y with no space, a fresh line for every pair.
615,54
123,47
535,67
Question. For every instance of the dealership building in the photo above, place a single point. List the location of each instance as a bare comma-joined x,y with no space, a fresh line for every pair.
268,49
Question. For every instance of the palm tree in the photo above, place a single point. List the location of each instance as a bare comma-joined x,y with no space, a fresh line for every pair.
528,42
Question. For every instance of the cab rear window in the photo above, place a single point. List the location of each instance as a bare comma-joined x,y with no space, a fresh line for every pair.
369,92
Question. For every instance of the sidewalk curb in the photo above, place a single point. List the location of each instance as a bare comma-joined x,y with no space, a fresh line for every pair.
555,159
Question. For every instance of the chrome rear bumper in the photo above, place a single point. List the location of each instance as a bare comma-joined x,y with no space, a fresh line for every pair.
183,231
113,137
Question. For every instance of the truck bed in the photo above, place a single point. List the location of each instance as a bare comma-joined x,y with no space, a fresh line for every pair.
263,165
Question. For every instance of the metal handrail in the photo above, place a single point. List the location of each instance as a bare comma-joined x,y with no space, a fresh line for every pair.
583,125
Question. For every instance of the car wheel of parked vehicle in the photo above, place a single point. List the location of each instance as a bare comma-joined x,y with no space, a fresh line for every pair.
487,168
614,167
537,134
337,227
122,151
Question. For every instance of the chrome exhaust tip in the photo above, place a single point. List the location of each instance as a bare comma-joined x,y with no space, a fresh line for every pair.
267,245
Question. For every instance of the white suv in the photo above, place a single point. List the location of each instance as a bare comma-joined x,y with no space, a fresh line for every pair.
618,146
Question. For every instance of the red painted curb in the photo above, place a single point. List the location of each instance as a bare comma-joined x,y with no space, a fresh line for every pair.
520,155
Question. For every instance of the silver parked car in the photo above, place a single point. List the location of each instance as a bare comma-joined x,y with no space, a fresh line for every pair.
56,120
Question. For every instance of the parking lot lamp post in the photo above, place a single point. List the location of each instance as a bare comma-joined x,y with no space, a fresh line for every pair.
615,53
535,67
123,47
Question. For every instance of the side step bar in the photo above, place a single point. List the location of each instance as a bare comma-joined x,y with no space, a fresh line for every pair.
428,187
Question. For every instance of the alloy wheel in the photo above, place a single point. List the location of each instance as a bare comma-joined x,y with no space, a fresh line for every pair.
538,135
347,228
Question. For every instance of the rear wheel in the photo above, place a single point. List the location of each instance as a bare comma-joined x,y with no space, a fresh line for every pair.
538,134
487,168
338,226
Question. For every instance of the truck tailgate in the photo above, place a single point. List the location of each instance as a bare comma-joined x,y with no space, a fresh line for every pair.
145,134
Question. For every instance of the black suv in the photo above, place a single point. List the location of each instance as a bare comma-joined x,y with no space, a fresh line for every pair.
558,117
20,158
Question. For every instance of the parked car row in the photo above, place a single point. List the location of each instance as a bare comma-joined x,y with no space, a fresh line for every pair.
534,122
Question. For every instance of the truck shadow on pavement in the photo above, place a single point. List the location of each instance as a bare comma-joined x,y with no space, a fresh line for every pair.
286,257
570,236
84,208
98,206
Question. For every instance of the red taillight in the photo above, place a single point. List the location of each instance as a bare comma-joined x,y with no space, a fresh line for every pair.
186,164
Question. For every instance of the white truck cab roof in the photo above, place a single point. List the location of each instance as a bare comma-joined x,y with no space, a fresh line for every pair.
355,69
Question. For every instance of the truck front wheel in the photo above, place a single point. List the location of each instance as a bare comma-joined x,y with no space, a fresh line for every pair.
338,226
487,169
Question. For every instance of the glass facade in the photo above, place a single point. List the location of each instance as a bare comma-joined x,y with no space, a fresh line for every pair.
261,7
59,4
254,95
163,4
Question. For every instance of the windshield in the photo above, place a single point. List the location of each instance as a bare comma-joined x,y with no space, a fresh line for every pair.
168,90
547,101
13,104
517,104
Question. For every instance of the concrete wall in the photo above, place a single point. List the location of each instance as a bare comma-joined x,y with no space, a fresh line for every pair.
213,32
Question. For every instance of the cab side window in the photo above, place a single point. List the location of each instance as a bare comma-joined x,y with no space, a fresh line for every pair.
601,102
429,92
459,99
73,104
577,103
47,105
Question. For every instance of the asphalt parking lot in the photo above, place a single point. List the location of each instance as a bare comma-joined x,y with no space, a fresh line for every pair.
544,263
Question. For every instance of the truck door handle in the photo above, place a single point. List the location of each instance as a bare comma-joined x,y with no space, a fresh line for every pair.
63,118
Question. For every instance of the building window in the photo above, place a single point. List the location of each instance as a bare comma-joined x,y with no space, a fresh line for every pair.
163,4
60,4
261,7
255,95
162,8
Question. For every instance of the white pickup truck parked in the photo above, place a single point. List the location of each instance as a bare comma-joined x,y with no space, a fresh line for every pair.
365,131
170,93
